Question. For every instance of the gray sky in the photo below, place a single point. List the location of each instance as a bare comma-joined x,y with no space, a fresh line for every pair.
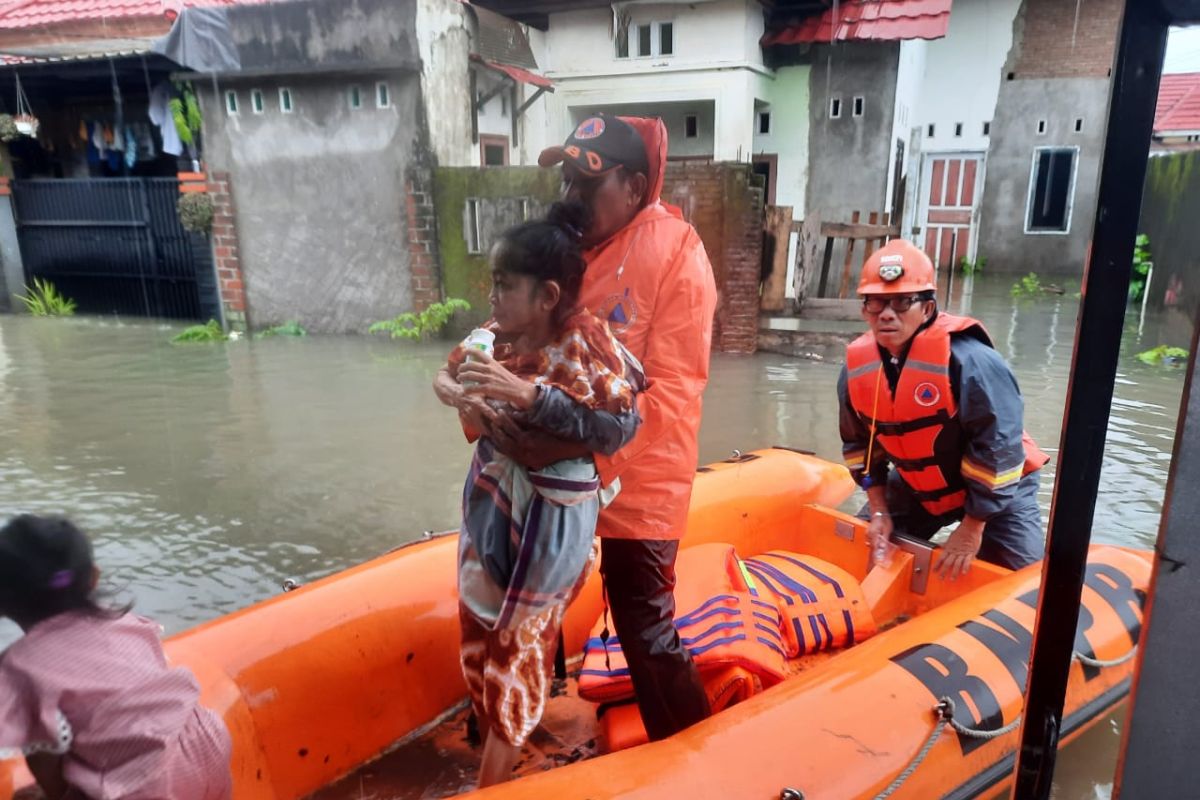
1183,50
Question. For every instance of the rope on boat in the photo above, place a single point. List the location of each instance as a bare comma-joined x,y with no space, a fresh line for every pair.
945,716
1113,662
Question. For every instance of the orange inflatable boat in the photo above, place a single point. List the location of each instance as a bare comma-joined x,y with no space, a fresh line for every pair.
350,687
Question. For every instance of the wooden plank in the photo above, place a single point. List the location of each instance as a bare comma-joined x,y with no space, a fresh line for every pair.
871,244
848,261
852,230
825,264
807,245
832,309
778,227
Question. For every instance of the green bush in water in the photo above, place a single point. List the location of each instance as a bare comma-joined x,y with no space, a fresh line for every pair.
289,328
1164,355
1141,267
1028,286
418,325
970,267
211,331
44,300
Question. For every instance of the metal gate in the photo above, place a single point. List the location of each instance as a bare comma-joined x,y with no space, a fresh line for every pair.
115,246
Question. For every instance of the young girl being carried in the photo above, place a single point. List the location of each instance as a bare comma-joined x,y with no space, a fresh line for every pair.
86,695
528,537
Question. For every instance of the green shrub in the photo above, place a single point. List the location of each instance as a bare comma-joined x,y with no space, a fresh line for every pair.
211,331
1029,286
44,300
418,325
970,267
1163,355
196,211
1141,267
290,328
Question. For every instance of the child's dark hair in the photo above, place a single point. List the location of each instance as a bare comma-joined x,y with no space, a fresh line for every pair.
549,250
46,569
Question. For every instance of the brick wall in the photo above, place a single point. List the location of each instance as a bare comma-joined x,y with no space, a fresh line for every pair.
422,238
727,211
225,252
1065,38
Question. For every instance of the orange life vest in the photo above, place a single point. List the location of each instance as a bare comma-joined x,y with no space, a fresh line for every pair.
912,425
822,605
723,624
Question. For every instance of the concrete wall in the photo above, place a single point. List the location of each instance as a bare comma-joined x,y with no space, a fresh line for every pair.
910,73
444,45
320,197
498,192
961,80
786,97
849,157
1022,103
1170,209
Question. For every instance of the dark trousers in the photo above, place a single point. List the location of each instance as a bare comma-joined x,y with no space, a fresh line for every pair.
639,579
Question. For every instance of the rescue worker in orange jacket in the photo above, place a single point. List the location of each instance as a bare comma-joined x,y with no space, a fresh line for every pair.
926,392
648,275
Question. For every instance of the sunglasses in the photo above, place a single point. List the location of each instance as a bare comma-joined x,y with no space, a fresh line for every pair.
876,305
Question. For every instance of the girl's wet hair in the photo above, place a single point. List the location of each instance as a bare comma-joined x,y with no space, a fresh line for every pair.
46,569
549,250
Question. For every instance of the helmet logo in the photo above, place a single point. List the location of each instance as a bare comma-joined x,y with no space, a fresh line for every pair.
890,268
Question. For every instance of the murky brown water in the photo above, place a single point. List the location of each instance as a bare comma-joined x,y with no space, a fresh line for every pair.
210,473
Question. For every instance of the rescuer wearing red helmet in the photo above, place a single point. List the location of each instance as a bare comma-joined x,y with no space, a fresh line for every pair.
926,393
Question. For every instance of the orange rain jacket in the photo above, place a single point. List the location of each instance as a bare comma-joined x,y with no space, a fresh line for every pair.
654,284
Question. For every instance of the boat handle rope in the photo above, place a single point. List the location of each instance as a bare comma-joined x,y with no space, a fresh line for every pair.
945,715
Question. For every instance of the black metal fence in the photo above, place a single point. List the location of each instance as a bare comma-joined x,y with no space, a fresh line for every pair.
115,246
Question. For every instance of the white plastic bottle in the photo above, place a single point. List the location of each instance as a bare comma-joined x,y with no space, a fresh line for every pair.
479,341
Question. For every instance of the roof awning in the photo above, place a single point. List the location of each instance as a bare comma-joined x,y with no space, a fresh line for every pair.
516,73
867,21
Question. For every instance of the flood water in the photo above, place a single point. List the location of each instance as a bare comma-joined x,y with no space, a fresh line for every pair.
209,474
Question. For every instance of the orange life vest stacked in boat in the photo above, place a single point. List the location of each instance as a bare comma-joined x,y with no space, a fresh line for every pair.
723,625
822,605
915,424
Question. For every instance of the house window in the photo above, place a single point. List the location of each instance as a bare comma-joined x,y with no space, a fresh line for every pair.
958,128
987,128
1041,127
355,97
285,101
645,40
493,151
764,122
835,108
691,126
650,39
1079,124
383,95
858,106
471,228
231,101
256,101
929,130
1051,186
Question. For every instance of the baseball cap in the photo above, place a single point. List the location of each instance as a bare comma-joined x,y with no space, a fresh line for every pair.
599,145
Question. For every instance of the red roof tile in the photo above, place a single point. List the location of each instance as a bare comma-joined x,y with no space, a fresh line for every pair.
37,13
868,20
1178,106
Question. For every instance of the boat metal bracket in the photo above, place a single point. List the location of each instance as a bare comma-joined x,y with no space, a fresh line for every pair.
844,529
922,553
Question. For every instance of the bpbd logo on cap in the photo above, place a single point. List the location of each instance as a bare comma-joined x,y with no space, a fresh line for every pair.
590,128
891,267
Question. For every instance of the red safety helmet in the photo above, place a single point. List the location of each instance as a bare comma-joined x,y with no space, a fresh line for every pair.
897,267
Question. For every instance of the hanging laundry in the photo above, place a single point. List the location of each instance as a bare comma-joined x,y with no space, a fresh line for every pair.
145,142
83,131
160,115
108,134
131,147
118,141
98,139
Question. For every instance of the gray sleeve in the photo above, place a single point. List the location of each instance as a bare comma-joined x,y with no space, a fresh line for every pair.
991,411
600,431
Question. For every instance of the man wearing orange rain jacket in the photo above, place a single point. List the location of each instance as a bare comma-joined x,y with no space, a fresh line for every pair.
649,276
927,392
